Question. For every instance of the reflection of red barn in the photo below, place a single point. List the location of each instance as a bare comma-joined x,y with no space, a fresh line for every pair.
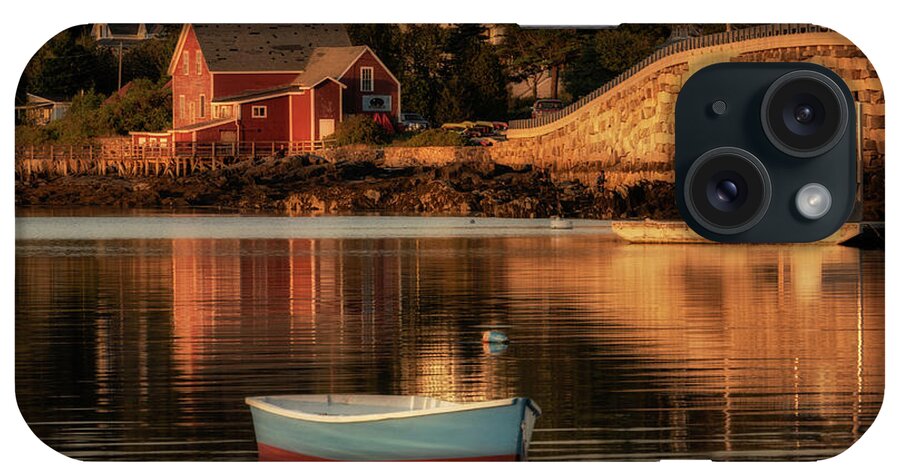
257,83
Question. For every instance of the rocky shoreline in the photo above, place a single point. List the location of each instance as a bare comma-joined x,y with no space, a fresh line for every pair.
305,185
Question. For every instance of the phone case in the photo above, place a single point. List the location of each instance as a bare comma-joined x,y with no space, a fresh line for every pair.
420,242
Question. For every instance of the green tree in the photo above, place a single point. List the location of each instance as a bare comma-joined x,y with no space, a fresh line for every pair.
621,48
487,81
530,52
383,38
558,47
67,64
521,53
146,106
606,53
150,58
585,73
474,78
454,102
420,71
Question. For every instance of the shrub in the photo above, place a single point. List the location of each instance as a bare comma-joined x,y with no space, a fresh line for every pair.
33,135
145,106
359,129
435,137
82,121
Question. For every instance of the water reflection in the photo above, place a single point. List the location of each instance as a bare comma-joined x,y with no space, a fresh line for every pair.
144,349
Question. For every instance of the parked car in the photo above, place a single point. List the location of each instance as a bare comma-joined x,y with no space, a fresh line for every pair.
545,106
484,133
411,121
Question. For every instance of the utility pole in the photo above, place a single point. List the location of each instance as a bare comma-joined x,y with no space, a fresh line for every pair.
120,67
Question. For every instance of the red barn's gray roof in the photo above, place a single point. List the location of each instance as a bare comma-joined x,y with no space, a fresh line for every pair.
328,62
265,47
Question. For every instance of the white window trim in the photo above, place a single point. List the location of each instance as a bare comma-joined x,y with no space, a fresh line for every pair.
186,64
362,79
220,111
199,59
202,112
254,115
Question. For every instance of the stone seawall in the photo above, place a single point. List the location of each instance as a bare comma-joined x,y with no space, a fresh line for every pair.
436,156
407,156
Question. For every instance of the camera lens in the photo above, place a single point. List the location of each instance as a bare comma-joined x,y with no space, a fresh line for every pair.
727,190
804,113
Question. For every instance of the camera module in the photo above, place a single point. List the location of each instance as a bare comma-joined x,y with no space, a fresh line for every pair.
804,113
727,190
781,165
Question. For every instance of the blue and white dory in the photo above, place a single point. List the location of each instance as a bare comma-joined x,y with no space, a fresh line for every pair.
390,428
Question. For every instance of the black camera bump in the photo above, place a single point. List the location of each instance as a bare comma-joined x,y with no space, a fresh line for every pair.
779,166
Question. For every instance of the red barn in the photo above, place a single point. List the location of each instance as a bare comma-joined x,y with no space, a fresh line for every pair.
271,83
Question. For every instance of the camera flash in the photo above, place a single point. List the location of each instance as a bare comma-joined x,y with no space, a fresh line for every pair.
813,201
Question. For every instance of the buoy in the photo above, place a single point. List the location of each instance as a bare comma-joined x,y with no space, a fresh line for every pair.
494,336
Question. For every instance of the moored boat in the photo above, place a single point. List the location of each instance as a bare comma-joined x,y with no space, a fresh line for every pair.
390,428
558,223
653,231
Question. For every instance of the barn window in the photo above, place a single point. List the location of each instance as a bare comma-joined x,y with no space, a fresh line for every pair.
202,105
181,106
199,58
258,112
186,63
223,111
366,79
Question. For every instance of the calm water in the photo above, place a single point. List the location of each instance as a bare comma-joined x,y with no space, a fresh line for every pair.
138,337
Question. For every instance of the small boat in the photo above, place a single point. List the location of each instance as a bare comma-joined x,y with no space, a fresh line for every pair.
558,223
678,232
390,428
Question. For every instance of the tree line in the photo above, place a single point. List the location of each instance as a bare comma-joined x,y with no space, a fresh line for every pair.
72,63
456,73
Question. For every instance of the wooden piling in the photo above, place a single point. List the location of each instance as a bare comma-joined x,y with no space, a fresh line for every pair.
133,160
